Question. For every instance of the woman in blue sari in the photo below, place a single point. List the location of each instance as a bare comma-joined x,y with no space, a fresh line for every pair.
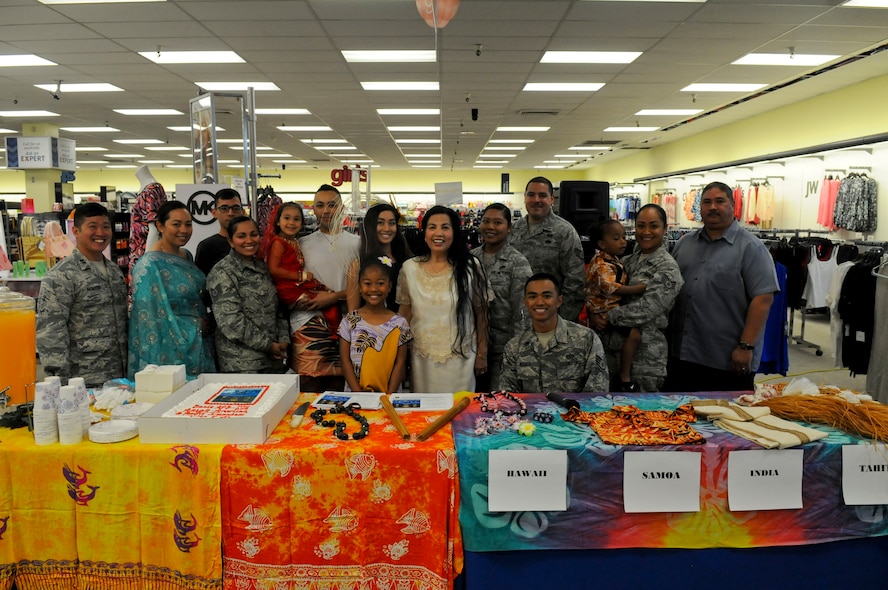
168,321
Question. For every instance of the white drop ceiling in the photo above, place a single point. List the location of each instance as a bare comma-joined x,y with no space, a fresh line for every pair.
297,44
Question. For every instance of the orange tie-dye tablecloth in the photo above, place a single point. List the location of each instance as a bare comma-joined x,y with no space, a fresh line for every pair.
308,511
108,517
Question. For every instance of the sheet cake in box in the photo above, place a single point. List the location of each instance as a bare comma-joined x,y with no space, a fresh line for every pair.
221,409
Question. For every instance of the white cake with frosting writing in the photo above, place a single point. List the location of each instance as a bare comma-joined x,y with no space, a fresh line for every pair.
229,400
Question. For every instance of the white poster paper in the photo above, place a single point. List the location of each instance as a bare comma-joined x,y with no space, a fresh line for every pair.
661,481
448,193
521,480
765,479
865,474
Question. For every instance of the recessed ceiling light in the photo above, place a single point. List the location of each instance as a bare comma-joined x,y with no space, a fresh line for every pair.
399,85
274,155
414,128
668,112
237,86
304,128
189,128
629,129
123,155
417,141
493,162
528,129
8,131
723,87
356,161
167,148
562,86
493,148
148,112
79,162
867,3
571,161
324,141
16,61
589,57
497,155
192,57
28,114
390,56
422,155
425,166
121,166
289,161
511,141
105,129
409,111
155,161
783,59
92,87
138,141
596,148
283,112
227,140
90,149
573,157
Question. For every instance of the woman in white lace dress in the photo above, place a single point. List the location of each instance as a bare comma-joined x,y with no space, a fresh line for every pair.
443,293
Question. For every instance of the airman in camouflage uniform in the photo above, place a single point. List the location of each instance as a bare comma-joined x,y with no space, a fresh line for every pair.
81,309
245,305
649,312
570,357
551,244
507,271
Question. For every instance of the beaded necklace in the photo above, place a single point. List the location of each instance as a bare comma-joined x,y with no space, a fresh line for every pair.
485,398
339,426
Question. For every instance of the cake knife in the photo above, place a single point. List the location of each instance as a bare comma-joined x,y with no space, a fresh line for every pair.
299,415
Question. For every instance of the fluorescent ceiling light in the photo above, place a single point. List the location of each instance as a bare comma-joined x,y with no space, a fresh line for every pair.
188,128
120,166
182,166
93,1
867,3
596,148
282,112
491,167
409,111
289,161
421,166
417,141
17,61
28,114
123,155
589,57
105,129
571,161
148,112
562,86
573,157
630,129
386,56
482,155
493,162
723,87
93,87
228,161
137,141
90,149
356,161
422,155
79,162
155,161
192,57
237,86
304,128
168,148
311,141
358,155
274,155
7,131
667,112
522,129
414,128
258,148
400,85
549,167
220,140
783,59
511,141
321,148
493,148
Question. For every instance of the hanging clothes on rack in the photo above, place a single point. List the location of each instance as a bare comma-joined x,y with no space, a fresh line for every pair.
670,205
877,375
775,346
829,190
832,302
821,268
765,205
752,217
856,204
857,310
738,203
265,204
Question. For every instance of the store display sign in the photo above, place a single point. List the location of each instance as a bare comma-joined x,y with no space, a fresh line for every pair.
520,480
661,481
40,153
865,474
765,479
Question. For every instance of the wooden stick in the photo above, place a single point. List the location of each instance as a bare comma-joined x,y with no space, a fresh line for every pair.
393,416
443,420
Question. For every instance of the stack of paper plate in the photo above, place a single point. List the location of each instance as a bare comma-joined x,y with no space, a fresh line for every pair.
130,411
113,431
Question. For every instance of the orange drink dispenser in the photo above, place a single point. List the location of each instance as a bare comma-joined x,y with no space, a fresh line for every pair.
18,345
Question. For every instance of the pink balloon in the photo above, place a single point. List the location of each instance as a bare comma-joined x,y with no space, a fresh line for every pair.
446,11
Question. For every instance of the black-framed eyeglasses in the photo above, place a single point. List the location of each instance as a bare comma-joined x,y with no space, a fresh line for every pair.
227,208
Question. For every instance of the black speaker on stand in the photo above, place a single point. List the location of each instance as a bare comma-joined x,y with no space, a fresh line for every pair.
583,204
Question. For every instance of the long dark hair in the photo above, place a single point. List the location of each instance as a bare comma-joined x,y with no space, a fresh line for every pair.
471,280
370,239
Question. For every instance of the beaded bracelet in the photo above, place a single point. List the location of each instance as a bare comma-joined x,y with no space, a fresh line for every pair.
339,426
544,417
484,399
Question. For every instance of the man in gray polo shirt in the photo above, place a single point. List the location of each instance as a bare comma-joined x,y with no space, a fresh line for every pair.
718,321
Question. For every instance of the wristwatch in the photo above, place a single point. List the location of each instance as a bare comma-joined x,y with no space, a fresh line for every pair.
745,346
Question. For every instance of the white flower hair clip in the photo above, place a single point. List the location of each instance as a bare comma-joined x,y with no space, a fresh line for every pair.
386,261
